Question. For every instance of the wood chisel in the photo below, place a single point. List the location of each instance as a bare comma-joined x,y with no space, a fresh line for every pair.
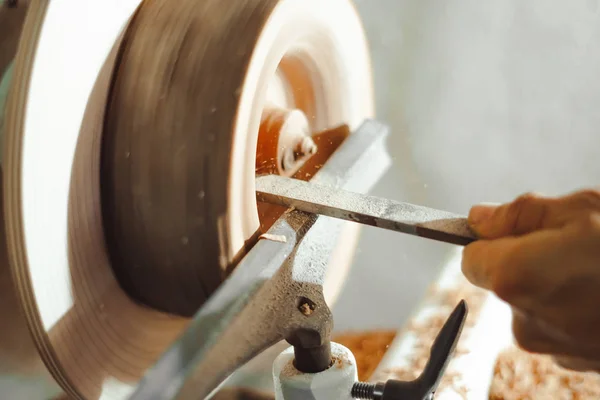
369,210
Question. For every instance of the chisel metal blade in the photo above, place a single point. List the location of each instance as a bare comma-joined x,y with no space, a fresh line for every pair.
369,210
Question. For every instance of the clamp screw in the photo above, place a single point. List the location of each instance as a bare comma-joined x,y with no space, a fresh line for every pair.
363,390
392,390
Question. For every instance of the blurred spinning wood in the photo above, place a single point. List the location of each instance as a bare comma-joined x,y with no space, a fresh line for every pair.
176,168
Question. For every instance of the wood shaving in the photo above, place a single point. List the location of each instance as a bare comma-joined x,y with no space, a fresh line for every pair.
519,375
274,238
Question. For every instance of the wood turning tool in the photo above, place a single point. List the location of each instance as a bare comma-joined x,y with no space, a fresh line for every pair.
368,210
135,249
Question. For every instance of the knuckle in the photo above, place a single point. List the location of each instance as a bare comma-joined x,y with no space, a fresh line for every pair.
522,337
465,262
471,265
589,224
525,343
527,197
563,362
589,198
576,363
524,201
469,254
527,336
503,288
505,282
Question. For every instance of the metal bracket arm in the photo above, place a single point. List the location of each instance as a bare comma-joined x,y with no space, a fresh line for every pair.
275,293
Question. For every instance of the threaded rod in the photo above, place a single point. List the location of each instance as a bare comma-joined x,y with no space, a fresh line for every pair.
363,390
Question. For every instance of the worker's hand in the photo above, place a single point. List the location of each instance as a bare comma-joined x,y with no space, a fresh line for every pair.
542,256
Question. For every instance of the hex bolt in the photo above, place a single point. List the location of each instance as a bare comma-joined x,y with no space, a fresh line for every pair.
306,306
306,147
293,155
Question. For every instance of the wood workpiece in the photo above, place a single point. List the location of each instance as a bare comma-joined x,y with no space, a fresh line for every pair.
172,234
130,150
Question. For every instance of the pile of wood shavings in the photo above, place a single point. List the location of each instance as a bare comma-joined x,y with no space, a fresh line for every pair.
425,332
523,376
368,349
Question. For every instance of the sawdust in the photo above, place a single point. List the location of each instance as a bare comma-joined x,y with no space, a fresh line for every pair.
368,349
519,375
426,330
290,370
340,361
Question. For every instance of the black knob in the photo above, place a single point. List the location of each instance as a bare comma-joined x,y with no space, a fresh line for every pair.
426,384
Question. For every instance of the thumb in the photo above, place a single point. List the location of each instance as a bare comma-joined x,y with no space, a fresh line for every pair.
525,214
531,212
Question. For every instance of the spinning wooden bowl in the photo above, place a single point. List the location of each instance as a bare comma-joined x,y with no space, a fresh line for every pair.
131,144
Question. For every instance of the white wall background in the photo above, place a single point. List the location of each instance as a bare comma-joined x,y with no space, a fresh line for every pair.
487,99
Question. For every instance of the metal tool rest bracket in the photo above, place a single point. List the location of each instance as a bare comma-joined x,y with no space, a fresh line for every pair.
275,292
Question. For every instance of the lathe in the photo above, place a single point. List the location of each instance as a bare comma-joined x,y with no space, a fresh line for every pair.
183,184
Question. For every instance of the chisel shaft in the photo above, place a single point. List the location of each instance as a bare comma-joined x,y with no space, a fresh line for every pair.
369,210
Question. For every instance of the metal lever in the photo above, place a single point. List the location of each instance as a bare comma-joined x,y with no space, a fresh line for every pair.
424,387
369,210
